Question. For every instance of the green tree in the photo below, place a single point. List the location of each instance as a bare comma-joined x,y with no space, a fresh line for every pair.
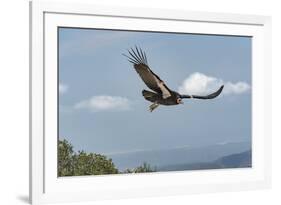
92,164
82,163
65,158
145,167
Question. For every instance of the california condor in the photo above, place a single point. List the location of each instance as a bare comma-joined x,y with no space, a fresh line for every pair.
162,95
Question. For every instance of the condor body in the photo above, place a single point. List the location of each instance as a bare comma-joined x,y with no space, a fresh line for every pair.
160,94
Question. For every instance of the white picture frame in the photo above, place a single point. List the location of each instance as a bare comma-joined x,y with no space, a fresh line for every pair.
46,187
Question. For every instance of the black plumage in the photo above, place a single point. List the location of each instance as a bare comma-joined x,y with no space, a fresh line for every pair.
162,95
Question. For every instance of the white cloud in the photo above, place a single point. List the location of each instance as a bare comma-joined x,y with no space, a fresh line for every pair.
63,88
237,88
104,103
201,84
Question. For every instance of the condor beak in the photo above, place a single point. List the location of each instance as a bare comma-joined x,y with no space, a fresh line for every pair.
179,101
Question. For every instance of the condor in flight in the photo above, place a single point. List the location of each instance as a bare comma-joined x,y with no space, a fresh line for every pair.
162,95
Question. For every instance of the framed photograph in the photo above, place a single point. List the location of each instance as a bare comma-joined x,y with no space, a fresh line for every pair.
129,102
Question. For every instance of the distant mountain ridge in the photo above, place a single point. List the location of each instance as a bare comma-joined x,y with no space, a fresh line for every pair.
239,160
178,156
243,159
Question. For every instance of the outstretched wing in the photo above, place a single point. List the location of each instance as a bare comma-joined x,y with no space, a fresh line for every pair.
138,58
210,96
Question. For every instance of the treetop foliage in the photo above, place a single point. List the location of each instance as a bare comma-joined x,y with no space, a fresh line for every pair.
81,163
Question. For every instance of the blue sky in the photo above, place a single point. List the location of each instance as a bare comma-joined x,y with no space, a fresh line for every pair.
101,108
